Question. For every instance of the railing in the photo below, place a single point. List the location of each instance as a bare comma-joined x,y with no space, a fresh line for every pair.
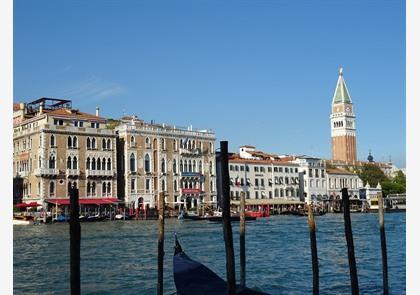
45,171
23,173
93,173
191,191
72,172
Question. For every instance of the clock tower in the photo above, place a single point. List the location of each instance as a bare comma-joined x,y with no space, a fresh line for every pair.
343,124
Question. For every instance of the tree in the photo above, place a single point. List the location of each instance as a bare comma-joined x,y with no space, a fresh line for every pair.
373,174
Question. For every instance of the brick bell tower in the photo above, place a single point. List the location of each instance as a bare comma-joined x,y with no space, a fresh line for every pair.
343,124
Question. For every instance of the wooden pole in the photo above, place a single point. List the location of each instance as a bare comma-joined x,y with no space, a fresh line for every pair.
383,243
74,242
350,246
161,231
227,227
312,234
242,241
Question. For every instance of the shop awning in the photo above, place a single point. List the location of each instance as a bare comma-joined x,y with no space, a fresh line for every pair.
90,201
25,205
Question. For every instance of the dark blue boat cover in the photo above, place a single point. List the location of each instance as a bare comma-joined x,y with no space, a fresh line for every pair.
193,278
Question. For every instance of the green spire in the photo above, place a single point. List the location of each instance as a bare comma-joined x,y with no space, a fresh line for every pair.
341,94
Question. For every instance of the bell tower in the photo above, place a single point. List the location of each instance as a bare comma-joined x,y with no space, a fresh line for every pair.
343,124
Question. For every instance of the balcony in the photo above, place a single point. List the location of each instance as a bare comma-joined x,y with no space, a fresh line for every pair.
72,172
192,152
99,173
23,173
191,191
191,174
46,172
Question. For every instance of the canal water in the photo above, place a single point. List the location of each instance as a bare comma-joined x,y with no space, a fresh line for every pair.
120,257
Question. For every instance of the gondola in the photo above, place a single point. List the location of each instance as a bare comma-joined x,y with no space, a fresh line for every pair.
192,277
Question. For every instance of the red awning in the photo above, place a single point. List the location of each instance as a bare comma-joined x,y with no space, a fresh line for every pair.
91,201
25,205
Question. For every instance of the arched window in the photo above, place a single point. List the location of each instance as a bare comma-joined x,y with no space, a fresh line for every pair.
93,143
163,185
174,166
175,185
132,163
74,163
211,168
162,143
200,166
189,166
39,162
185,166
147,142
163,165
93,189
69,142
52,140
194,166
51,161
108,191
75,142
52,189
103,144
69,162
174,144
88,189
88,143
189,144
181,166
147,163
132,141
281,192
103,164
93,164
108,144
108,165
103,188
88,163
276,193
98,164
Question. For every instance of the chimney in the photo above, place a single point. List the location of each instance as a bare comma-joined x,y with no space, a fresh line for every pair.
97,111
41,107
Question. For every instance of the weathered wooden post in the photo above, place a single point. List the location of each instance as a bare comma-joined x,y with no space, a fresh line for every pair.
161,231
242,256
383,243
314,251
350,246
227,227
74,242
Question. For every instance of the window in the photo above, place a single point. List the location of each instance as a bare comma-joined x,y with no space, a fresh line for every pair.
51,162
103,188
103,144
88,143
286,180
133,184
310,172
52,140
269,169
231,168
88,163
93,165
236,168
189,166
52,189
108,164
248,194
69,142
93,143
276,193
262,169
103,164
286,170
74,163
211,167
108,190
255,169
58,122
276,169
68,162
256,182
94,125
147,163
262,181
132,163
163,165
194,166
200,167
162,144
108,144
98,164
74,142
247,168
163,185
256,195
175,185
147,184
270,194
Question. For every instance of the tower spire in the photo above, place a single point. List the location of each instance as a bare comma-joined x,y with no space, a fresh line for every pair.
341,94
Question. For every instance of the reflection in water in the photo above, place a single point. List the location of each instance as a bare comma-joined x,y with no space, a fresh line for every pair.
121,257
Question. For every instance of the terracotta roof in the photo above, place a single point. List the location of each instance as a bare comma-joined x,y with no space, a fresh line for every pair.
236,159
16,106
338,171
74,114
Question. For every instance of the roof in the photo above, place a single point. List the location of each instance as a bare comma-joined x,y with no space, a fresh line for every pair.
341,94
339,171
16,106
73,113
235,158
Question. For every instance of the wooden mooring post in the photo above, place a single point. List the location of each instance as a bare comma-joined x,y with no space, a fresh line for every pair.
383,243
74,242
314,251
161,233
227,227
350,246
242,255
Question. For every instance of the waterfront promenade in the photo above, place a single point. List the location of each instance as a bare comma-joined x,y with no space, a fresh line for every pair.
120,257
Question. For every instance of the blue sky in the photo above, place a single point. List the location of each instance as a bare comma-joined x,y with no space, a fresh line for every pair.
256,72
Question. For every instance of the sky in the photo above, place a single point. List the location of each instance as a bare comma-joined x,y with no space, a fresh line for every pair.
255,72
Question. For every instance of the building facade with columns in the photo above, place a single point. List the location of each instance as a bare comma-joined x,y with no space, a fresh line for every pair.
343,124
56,146
262,175
154,158
339,179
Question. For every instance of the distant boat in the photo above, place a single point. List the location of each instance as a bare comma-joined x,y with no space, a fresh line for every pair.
232,218
192,277
23,220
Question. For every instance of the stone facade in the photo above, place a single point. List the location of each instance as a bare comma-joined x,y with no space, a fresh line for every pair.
56,146
156,158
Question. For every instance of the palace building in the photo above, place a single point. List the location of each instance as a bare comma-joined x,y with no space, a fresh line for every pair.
343,124
155,158
56,147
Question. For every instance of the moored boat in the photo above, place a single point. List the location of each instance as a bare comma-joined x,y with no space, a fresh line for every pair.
23,220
